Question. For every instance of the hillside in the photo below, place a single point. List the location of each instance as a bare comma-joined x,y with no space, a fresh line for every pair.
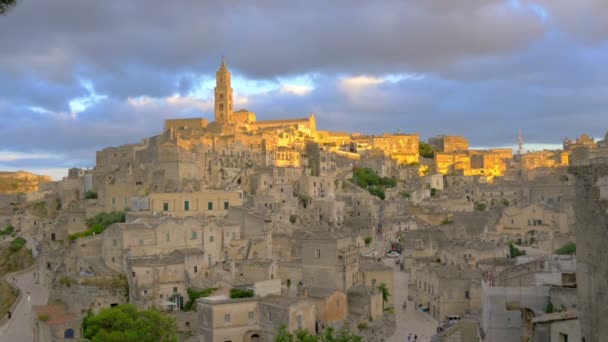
20,182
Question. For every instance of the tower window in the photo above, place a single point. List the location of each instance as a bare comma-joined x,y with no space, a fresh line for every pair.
221,106
221,96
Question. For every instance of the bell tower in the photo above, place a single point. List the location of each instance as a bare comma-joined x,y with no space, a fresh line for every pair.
223,94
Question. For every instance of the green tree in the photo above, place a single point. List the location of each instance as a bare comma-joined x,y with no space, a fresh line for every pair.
124,323
569,248
241,293
426,150
385,294
5,5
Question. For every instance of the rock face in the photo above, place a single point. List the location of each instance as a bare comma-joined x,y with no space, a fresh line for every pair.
21,182
591,208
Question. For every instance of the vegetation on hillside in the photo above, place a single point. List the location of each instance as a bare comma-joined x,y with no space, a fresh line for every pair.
125,323
369,180
8,230
99,223
569,248
426,150
330,335
14,256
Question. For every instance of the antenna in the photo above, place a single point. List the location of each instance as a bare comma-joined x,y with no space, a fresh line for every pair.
520,142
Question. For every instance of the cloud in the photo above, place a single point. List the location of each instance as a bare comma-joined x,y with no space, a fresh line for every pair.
79,76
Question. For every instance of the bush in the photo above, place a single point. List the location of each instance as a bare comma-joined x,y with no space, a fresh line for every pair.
362,326
504,202
17,244
514,251
65,281
90,195
293,218
368,240
569,248
426,150
193,295
480,206
405,194
99,223
446,221
240,293
43,317
8,230
368,179
433,192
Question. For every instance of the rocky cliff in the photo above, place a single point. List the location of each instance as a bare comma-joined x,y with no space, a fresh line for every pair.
21,182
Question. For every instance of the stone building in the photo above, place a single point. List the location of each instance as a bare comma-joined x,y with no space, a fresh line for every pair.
449,143
292,312
444,290
222,318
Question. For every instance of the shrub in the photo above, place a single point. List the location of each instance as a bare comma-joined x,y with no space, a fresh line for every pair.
405,194
368,240
480,206
514,251
569,248
65,281
293,218
362,326
426,150
17,244
99,223
43,317
433,192
8,230
240,293
504,202
90,195
446,221
193,295
368,179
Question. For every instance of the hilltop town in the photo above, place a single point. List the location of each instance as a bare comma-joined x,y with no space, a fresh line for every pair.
239,228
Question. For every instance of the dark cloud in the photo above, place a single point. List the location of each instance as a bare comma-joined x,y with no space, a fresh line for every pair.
483,68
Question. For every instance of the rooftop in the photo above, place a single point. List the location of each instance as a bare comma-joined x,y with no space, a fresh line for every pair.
57,314
279,300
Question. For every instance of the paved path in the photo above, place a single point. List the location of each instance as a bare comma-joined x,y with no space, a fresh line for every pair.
408,320
19,327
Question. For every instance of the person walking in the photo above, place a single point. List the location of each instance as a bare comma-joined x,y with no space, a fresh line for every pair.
409,337
10,314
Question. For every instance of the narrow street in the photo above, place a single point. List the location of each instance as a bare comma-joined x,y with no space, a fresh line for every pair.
409,320
19,327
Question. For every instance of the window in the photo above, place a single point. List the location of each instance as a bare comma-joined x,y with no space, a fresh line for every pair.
467,294
186,205
299,319
145,292
210,238
112,259
221,106
195,269
174,289
226,204
251,315
161,296
167,237
194,235
133,274
165,206
317,254
270,316
113,201
338,302
114,243
209,205
227,318
141,242
563,337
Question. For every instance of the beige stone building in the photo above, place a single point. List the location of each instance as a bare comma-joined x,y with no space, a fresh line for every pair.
292,312
202,203
222,318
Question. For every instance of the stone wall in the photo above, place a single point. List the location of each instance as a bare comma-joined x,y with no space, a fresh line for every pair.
592,255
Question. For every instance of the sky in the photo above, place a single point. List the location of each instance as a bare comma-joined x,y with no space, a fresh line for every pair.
78,76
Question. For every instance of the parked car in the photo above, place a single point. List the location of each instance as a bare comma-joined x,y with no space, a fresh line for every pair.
392,254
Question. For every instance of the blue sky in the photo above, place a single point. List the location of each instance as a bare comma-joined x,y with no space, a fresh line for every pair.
79,76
